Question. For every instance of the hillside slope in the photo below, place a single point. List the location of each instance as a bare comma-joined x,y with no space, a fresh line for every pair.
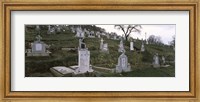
141,62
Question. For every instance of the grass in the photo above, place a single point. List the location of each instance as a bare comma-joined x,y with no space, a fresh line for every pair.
140,62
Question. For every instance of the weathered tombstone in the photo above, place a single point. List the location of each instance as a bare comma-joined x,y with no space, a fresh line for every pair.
163,60
156,63
73,30
142,47
79,33
131,46
86,32
147,42
58,30
115,37
38,48
146,38
108,36
98,34
101,44
83,60
121,46
105,48
123,65
49,28
91,34
37,29
82,44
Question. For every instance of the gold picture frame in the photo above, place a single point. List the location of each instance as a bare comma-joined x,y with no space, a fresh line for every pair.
158,5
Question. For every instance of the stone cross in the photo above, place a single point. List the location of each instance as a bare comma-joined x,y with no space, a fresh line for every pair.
38,38
101,43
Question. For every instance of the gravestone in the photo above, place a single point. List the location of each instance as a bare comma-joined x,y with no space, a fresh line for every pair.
83,60
82,44
79,33
37,29
73,30
123,65
98,34
58,30
101,43
121,46
50,30
142,47
115,37
38,48
105,48
163,60
156,63
108,36
87,32
131,46
91,34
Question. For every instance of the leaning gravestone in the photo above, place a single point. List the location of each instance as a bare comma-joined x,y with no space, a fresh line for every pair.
123,65
38,48
156,63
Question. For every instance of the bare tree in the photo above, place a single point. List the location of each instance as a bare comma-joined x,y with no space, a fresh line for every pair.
128,29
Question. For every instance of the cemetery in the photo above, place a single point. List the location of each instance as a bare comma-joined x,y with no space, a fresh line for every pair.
86,51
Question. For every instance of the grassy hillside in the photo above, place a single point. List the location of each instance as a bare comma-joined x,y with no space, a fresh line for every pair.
140,62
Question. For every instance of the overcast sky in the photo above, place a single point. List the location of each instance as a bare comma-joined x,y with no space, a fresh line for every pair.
164,31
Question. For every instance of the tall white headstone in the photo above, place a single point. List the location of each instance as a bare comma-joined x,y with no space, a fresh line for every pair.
132,46
142,47
83,61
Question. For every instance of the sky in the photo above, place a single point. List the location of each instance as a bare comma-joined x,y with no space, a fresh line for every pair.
164,31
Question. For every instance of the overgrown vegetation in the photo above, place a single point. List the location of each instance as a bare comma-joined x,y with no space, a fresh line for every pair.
140,61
